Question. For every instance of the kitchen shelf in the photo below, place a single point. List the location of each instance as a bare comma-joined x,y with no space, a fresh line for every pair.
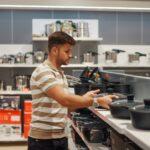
82,65
35,65
77,39
124,127
91,146
18,65
15,93
12,138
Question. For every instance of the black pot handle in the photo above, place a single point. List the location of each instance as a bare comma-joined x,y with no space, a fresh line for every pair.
147,103
130,98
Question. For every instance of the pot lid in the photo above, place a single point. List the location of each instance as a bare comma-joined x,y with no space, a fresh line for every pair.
126,103
142,108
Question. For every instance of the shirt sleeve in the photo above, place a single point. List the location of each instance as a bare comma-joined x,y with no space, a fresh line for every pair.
46,80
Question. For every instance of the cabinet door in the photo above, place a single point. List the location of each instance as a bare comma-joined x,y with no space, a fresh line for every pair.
5,27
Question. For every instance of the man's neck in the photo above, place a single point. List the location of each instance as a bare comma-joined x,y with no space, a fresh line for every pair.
53,62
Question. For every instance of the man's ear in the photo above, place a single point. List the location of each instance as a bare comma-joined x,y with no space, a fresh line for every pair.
54,50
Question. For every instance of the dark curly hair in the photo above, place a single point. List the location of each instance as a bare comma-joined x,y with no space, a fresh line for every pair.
58,38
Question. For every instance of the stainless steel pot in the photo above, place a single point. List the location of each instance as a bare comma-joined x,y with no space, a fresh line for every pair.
120,108
135,58
20,58
39,56
29,57
110,57
88,58
6,59
21,82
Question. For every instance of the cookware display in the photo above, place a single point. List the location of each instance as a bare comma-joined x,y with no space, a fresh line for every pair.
89,57
94,130
29,57
9,102
120,108
20,58
80,29
119,88
135,58
140,115
110,57
6,59
120,142
21,82
121,56
39,56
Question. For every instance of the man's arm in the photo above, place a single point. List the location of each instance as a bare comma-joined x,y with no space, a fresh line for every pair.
71,100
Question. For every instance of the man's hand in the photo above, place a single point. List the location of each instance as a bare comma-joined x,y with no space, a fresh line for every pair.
91,94
106,100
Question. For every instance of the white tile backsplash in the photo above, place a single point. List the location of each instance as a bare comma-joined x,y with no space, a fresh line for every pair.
123,57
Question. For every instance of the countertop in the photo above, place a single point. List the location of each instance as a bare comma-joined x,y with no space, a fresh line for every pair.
123,126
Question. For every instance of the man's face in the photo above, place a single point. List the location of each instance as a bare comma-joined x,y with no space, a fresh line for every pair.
64,54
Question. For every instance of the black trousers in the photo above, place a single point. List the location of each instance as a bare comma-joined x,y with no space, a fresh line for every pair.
47,144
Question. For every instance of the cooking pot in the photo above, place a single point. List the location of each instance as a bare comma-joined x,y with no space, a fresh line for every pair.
20,58
39,56
29,57
21,82
135,58
110,57
122,57
119,88
120,108
81,89
6,59
140,115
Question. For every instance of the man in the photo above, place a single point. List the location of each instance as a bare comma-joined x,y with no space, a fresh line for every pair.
51,97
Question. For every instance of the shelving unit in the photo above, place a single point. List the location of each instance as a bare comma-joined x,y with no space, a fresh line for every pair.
77,39
91,146
82,65
15,93
12,139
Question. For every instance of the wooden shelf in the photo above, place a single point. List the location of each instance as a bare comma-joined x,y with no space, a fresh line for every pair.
91,146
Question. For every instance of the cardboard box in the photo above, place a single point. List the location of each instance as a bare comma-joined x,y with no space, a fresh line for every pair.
27,117
10,130
10,116
27,106
26,130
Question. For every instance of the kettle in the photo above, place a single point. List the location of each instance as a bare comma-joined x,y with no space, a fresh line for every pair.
39,56
20,58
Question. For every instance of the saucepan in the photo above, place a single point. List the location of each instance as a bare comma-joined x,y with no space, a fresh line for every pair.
120,108
140,115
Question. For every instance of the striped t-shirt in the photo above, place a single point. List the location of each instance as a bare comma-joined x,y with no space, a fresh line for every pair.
48,116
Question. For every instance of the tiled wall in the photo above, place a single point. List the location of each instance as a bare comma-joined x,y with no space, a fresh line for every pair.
127,28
